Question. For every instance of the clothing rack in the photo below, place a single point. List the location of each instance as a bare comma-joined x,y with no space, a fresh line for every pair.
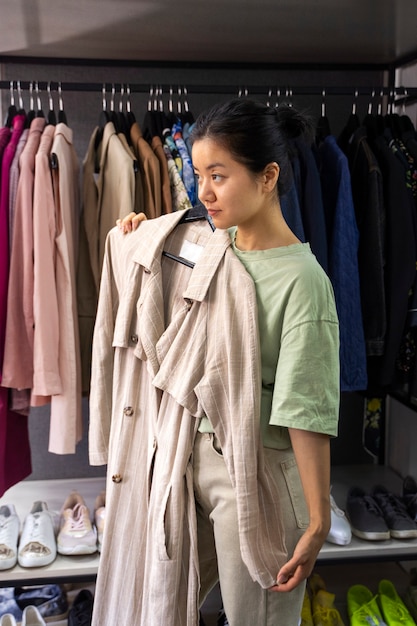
165,89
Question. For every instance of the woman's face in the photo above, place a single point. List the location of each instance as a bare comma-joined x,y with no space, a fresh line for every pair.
232,194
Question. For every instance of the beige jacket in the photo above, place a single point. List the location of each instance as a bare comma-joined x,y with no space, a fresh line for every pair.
170,345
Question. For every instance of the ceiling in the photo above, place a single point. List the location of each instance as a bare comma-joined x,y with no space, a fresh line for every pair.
227,31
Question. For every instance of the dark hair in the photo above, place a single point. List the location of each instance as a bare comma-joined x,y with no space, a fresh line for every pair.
255,134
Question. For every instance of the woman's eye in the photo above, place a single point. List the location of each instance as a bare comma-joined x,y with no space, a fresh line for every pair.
216,177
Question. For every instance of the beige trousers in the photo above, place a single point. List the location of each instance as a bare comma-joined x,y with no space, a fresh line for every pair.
244,601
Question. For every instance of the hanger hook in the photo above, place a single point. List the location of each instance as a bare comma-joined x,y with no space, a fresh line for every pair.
161,99
50,99
122,93
113,93
38,96
60,98
31,106
185,90
11,93
128,105
278,97
103,97
19,93
404,101
370,105
354,104
179,101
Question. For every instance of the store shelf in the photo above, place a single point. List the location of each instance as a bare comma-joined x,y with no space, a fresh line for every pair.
84,568
366,476
54,493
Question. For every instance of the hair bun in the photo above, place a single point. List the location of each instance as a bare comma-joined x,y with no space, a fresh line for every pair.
293,124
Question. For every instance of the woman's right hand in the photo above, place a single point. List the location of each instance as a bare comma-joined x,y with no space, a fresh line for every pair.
130,222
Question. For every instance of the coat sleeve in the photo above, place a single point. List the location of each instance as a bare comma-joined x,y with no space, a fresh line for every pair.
103,357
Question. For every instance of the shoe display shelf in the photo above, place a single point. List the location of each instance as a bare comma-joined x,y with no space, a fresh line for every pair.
84,568
366,476
54,492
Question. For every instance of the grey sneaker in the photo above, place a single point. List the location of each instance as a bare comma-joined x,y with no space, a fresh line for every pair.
400,524
365,516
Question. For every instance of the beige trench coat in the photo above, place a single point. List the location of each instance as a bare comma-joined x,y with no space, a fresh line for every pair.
170,345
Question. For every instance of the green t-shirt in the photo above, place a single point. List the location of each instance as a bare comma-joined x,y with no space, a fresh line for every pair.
299,342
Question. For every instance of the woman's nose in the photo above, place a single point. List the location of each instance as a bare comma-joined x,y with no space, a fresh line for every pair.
205,193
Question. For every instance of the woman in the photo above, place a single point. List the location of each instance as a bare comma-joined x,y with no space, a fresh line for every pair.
241,156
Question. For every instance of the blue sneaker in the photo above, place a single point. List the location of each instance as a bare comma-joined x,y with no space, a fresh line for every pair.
50,600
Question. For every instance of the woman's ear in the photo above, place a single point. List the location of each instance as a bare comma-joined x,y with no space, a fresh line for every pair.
270,176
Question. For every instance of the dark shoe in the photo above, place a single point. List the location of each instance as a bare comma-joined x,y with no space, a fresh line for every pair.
400,524
81,612
365,516
410,496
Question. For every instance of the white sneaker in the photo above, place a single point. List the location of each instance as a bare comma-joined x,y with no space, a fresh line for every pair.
9,535
8,620
77,535
340,530
99,517
37,546
32,617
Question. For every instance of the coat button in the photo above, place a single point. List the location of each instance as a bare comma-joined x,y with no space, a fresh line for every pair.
134,338
128,410
116,478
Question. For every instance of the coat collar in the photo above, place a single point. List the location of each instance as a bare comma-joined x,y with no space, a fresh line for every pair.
150,245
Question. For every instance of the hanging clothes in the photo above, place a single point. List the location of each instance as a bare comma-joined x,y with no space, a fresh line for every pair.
307,180
108,192
15,458
18,355
150,173
14,180
368,200
66,419
343,240
400,258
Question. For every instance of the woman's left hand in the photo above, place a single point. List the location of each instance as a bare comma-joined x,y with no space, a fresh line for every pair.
301,564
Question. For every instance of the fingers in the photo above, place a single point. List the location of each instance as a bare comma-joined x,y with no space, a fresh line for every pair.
130,222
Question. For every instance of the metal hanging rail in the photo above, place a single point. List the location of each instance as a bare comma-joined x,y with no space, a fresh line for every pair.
164,89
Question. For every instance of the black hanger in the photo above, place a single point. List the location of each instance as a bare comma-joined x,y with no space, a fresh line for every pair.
39,112
186,115
61,113
104,118
51,113
352,124
323,124
196,213
12,110
130,116
31,113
